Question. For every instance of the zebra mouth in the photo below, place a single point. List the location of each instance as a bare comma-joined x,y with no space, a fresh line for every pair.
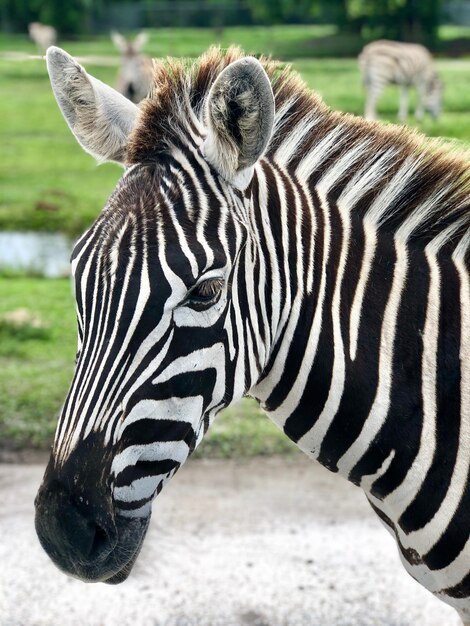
131,538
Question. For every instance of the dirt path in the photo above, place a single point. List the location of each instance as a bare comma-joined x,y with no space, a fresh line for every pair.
270,542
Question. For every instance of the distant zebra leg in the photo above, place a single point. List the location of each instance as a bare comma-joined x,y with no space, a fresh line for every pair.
403,110
419,112
372,96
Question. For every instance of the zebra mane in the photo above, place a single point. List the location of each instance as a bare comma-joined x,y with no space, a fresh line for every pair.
174,110
414,179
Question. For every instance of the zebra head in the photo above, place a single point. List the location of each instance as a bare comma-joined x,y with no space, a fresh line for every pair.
135,72
164,282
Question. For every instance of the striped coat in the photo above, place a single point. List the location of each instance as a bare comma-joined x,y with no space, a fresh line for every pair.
407,65
260,243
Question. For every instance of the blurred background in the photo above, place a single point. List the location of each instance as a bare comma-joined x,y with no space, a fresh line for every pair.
50,190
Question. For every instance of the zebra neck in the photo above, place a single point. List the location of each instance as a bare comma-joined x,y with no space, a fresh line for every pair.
356,322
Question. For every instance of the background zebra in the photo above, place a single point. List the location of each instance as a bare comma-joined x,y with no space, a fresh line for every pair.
403,64
135,74
42,35
260,243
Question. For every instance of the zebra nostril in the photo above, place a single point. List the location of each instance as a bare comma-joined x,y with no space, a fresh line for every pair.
130,92
103,542
92,538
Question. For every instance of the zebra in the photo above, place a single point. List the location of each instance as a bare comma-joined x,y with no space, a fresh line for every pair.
259,243
42,35
136,71
406,65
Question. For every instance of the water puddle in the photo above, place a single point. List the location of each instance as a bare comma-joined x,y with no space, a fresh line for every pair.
45,254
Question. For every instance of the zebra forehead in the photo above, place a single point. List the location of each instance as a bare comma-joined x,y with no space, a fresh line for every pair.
150,207
133,203
131,211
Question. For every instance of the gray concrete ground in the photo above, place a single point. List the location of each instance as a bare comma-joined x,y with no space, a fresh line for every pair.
269,542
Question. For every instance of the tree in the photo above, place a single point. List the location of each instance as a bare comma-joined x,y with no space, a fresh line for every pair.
283,11
405,20
68,18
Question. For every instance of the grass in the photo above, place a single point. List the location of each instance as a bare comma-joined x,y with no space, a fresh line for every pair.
338,81
290,41
65,189
48,183
243,430
41,165
36,364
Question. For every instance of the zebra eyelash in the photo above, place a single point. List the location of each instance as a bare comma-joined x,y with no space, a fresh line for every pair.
204,294
209,287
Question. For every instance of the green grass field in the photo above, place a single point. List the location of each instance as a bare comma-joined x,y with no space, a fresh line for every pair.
48,183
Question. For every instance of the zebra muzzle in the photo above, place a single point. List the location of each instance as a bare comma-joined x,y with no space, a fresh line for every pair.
84,536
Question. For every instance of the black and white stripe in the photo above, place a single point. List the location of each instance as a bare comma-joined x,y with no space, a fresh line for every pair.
407,65
341,301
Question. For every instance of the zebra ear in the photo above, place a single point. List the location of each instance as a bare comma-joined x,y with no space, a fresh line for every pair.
99,117
140,41
239,118
119,41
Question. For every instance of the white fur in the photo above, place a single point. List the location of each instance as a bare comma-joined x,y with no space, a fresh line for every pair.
245,84
99,117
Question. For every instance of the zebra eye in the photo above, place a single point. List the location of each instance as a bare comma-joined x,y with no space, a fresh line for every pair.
205,293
